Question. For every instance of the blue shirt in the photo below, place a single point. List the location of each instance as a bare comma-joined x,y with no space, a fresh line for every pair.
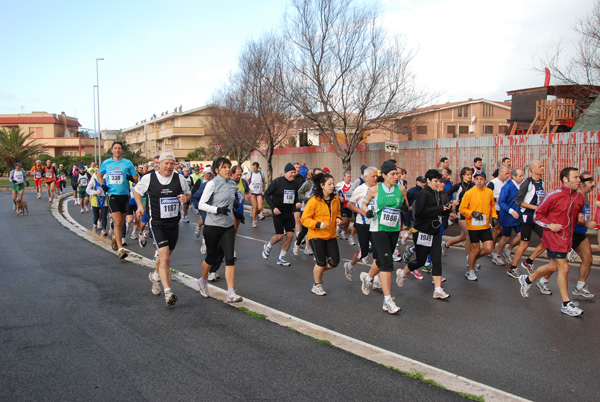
115,174
587,213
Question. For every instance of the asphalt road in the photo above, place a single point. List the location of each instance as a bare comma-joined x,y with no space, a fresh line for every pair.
486,332
78,324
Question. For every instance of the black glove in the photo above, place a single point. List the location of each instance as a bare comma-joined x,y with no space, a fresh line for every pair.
404,208
130,178
223,211
476,215
104,188
14,181
370,214
494,221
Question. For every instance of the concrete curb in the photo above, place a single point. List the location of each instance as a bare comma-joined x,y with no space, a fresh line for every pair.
373,353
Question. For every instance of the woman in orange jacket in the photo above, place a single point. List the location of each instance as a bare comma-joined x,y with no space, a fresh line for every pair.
321,216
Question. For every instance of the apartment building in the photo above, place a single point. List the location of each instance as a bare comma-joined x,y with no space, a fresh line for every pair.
470,118
179,132
59,134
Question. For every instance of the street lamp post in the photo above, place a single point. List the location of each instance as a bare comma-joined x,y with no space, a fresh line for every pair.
99,126
95,127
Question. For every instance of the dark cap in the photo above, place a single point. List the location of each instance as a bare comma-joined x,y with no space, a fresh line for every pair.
387,167
421,179
17,164
289,167
362,169
480,174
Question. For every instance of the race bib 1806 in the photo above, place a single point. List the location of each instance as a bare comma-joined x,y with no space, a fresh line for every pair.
389,217
423,239
169,207
115,177
288,196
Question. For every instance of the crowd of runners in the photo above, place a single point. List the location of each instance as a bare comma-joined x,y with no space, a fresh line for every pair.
378,213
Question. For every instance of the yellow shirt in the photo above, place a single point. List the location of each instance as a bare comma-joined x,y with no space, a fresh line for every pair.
480,200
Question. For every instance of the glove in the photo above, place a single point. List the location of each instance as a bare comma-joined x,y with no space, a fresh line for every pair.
104,188
14,181
494,221
370,214
476,215
404,208
223,211
130,178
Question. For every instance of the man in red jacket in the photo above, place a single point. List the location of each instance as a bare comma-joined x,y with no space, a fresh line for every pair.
557,215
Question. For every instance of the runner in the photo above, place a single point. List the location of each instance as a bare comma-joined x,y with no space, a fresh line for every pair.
282,196
321,216
557,215
477,165
299,181
361,222
429,210
49,179
18,178
496,184
385,230
62,178
188,177
343,192
83,179
37,171
530,195
74,183
120,171
477,206
304,194
510,218
218,201
98,202
242,193
166,190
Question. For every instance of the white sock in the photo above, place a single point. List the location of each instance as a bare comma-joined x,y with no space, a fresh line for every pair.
167,290
350,264
439,289
282,254
580,284
386,298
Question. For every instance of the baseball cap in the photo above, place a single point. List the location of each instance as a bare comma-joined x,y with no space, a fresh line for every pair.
165,156
207,170
421,179
17,164
197,168
480,174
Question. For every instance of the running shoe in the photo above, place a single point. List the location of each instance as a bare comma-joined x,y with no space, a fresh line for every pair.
351,241
123,242
283,261
366,284
114,244
203,247
86,209
400,278
513,272
544,288
253,224
308,250
470,275
572,256
155,280
343,236
318,289
365,260
40,196
390,306
498,261
155,255
407,254
417,274
170,299
213,276
103,233
81,211
261,217
507,255
142,240
50,200
186,219
583,292
267,251
445,248
527,267
440,294
197,231
123,254
203,288
524,286
296,249
571,309
426,267
134,235
477,266
404,236
396,256
349,271
234,255
376,283
233,298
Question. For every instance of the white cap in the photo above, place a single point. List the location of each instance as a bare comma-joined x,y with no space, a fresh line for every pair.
166,155
207,170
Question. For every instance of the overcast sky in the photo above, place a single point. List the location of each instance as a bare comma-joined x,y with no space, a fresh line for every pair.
161,54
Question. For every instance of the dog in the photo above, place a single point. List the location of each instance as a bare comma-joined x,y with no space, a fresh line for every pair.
22,207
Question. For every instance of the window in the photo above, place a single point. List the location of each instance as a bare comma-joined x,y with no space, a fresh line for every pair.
502,129
398,128
38,132
451,130
71,153
488,110
488,129
463,129
405,130
422,130
463,111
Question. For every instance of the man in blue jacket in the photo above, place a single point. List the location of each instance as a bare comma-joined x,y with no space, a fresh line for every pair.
510,218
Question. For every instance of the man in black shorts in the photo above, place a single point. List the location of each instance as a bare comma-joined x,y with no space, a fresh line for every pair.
282,197
166,192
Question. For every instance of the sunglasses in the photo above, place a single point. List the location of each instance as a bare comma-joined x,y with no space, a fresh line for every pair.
587,179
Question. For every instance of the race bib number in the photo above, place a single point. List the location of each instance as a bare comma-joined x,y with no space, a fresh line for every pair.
169,207
83,181
288,196
18,177
38,175
481,221
63,178
48,175
115,177
423,239
255,187
389,217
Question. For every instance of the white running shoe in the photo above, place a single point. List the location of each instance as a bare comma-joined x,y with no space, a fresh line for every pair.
400,277
155,280
572,256
40,196
203,288
376,283
296,249
349,271
366,284
233,298
308,250
507,255
203,247
404,237
571,309
470,275
498,261
365,260
318,289
253,224
351,241
134,235
261,217
440,294
390,306
213,276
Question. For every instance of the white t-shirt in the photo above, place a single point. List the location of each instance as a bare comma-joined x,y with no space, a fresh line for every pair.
358,197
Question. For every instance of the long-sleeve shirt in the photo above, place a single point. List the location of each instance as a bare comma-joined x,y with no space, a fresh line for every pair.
478,200
282,194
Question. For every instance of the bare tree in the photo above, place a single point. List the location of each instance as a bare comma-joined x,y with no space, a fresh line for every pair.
582,66
342,72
